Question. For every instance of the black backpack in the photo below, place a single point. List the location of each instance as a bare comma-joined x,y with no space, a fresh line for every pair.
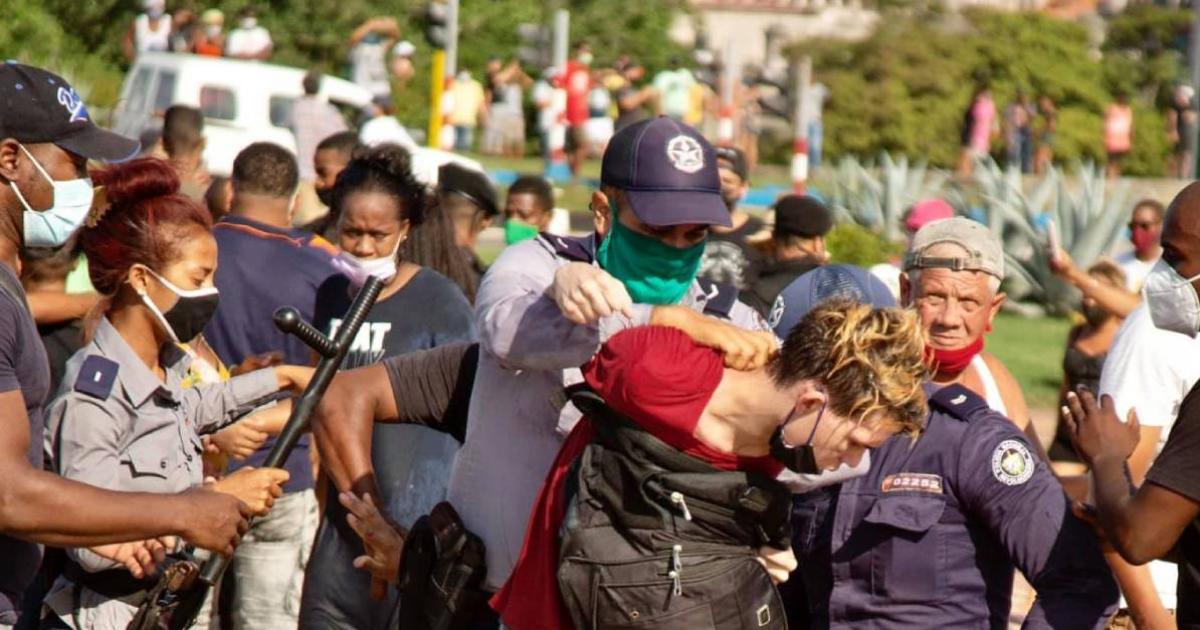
654,538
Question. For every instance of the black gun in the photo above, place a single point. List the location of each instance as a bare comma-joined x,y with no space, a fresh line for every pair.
174,603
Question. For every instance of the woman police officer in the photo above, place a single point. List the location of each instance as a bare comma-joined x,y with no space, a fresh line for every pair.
123,419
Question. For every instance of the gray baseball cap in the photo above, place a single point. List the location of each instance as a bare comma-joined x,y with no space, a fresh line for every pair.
982,250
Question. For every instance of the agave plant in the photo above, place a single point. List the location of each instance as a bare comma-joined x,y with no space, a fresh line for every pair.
1088,221
876,197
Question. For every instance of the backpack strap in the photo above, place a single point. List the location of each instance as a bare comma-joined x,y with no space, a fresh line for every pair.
959,402
572,248
720,298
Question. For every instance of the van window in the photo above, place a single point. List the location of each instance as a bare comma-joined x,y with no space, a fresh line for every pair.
139,90
281,111
217,102
164,95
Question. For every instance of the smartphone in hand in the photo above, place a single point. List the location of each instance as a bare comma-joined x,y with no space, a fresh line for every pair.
1053,247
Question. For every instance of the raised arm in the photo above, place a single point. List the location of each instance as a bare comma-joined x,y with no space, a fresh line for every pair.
532,313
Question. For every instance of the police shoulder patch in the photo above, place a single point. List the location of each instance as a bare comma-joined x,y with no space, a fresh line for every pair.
958,401
1012,464
97,376
570,248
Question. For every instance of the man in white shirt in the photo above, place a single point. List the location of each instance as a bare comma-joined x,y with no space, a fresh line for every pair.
249,40
1150,369
1145,225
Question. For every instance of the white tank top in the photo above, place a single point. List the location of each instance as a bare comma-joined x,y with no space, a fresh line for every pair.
990,388
146,39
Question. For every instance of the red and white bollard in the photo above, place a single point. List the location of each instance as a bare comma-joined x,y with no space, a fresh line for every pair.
800,165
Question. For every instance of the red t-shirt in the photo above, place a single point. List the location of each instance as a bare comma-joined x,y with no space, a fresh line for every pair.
577,80
657,377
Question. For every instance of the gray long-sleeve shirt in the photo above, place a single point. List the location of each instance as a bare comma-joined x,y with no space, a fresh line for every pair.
115,425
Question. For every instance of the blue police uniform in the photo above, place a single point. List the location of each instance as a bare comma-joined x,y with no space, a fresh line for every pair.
930,535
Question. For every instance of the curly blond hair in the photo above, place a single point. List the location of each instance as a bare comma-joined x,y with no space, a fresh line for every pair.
868,359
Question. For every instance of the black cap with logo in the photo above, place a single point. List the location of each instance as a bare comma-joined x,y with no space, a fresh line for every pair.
668,172
37,106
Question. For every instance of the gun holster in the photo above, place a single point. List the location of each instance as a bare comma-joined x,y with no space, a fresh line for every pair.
441,573
174,601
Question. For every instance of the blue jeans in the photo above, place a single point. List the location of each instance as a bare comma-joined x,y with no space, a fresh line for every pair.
464,137
268,567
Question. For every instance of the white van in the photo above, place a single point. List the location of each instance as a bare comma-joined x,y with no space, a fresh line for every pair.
242,101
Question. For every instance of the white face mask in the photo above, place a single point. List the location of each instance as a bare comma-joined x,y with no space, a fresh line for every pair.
53,226
212,30
1172,300
586,58
359,269
248,23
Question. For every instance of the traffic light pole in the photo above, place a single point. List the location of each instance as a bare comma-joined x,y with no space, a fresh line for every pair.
557,168
437,83
449,70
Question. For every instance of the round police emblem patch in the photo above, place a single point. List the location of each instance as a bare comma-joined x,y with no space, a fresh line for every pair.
1012,465
685,153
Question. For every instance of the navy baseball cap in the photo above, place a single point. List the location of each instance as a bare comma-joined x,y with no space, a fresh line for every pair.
823,283
37,106
668,172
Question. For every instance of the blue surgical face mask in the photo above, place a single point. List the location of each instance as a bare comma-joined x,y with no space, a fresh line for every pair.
53,226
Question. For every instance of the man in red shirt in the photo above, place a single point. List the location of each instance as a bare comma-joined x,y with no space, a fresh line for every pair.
847,378
578,82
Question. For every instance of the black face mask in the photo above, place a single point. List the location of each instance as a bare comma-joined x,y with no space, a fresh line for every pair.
190,314
798,459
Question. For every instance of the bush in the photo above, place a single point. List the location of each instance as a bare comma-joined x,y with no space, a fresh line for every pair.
30,34
853,244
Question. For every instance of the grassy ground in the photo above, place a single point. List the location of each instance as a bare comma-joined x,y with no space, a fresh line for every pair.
1032,349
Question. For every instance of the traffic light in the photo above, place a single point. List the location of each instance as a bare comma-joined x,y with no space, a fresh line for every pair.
535,49
435,24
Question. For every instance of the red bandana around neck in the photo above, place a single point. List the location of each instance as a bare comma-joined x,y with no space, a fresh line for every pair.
952,362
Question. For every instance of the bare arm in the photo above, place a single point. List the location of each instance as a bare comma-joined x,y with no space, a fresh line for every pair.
45,508
1116,300
430,387
1140,523
49,307
127,43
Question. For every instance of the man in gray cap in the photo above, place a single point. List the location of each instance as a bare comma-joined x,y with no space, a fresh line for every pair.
952,278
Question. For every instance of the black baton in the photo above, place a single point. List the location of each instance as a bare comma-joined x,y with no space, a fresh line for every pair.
333,352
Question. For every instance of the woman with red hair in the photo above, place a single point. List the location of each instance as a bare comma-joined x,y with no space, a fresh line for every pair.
123,418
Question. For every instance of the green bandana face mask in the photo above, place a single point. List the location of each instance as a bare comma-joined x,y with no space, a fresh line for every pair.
516,231
652,271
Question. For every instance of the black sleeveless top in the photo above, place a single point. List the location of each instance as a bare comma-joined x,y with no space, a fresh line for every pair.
1079,369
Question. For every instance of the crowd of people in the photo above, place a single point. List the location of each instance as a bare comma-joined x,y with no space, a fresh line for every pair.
684,417
1027,130
154,30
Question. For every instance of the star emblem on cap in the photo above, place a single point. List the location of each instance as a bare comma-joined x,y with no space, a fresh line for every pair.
685,153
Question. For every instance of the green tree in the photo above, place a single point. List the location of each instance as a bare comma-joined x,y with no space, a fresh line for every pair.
906,88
